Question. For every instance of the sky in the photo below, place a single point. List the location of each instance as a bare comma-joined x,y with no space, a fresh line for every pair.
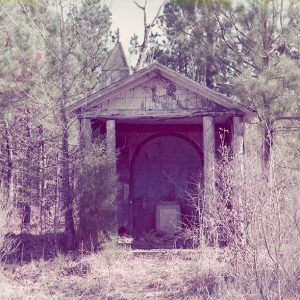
129,18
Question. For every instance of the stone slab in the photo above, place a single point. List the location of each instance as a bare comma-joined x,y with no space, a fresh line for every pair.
167,217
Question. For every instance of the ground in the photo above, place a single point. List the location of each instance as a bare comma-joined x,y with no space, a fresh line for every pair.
119,274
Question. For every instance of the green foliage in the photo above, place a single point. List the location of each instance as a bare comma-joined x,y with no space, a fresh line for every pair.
134,44
193,44
30,64
265,34
88,38
17,57
49,58
247,50
97,191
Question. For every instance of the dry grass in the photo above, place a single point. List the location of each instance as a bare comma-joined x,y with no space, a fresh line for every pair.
263,264
209,273
120,274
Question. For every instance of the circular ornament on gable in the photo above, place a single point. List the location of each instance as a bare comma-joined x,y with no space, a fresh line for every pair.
171,89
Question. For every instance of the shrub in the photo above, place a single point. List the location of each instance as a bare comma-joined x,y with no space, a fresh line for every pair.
258,220
8,244
96,190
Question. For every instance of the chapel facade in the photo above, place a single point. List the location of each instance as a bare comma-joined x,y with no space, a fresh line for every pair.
165,130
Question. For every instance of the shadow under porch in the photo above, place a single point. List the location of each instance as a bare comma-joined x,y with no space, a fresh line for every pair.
158,164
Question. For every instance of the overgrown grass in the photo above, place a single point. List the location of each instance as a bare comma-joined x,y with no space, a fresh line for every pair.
125,274
119,274
260,259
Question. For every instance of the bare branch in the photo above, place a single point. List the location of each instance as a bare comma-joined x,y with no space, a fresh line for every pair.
147,33
158,13
143,8
140,6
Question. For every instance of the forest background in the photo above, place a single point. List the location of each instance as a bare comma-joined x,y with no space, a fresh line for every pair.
51,55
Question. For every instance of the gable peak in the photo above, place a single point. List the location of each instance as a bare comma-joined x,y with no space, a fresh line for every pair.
116,60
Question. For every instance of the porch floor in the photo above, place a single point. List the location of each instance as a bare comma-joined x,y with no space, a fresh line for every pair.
155,241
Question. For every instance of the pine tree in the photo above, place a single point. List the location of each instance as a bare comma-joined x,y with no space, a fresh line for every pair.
248,50
193,43
269,80
17,75
66,47
78,43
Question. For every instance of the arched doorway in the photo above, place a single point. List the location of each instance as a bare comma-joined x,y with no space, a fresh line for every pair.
163,169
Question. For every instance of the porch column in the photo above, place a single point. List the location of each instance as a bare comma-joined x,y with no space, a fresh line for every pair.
85,133
111,138
111,147
209,160
238,164
238,150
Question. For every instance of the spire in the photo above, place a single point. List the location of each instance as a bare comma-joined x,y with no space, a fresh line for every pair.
116,60
118,35
115,67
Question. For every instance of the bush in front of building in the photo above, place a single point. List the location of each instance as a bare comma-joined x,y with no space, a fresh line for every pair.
96,193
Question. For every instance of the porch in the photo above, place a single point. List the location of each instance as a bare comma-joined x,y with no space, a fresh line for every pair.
164,130
159,161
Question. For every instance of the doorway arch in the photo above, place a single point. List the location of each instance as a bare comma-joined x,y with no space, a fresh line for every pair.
163,168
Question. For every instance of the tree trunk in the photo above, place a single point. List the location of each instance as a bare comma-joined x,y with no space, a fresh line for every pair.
41,178
66,191
143,48
27,177
267,146
210,70
147,32
57,201
8,181
267,126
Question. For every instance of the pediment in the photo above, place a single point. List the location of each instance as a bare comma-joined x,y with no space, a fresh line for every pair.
156,90
158,94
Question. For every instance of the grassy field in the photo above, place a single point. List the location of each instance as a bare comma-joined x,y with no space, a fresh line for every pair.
114,273
123,274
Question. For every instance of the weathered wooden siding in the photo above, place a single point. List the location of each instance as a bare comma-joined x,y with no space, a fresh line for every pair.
158,94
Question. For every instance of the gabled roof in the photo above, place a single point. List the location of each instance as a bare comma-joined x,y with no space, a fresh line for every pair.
116,61
149,72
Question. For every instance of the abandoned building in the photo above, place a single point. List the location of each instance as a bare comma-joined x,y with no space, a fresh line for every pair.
165,128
